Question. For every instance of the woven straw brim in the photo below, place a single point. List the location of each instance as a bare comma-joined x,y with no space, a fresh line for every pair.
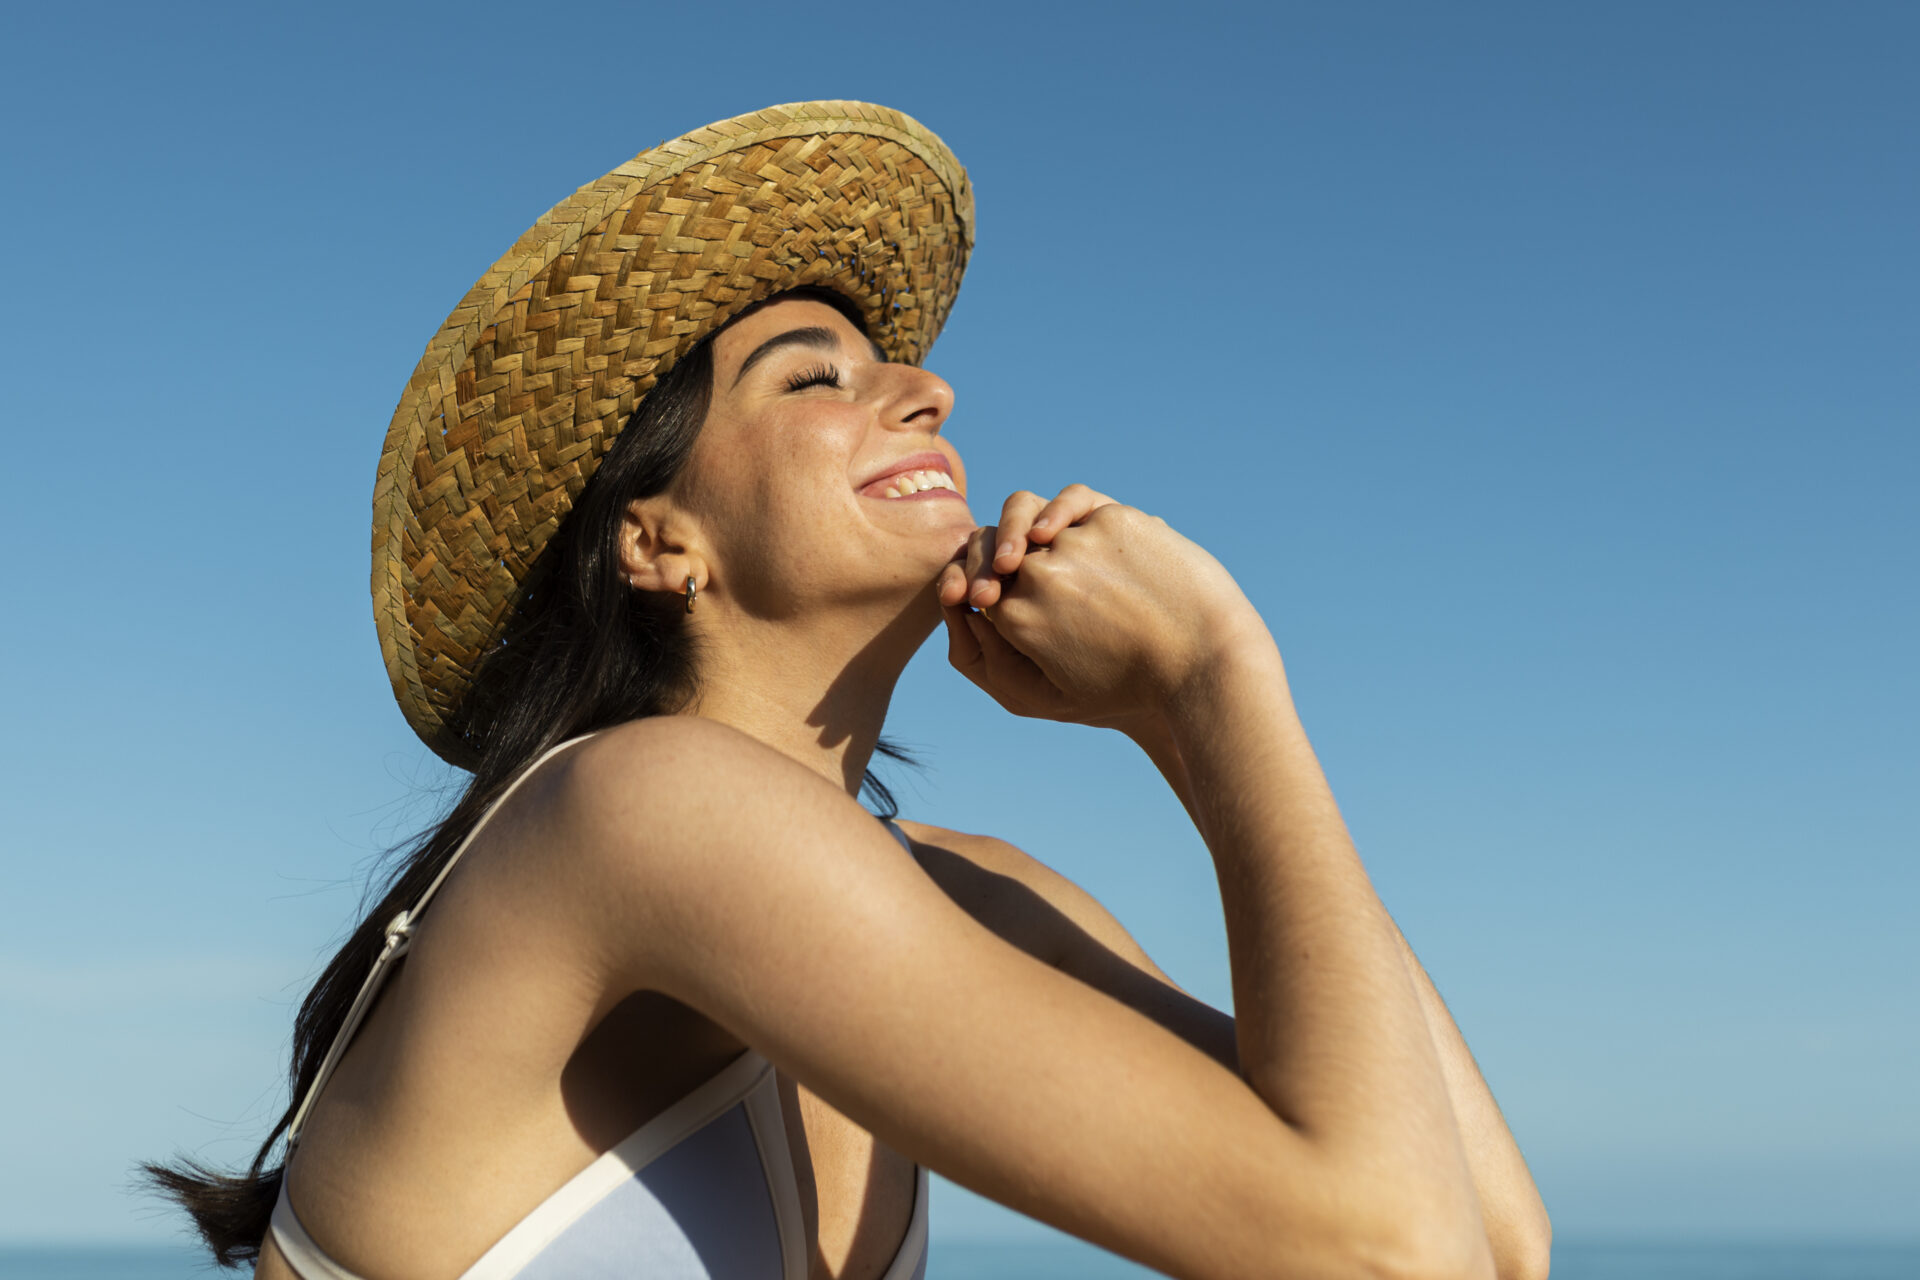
526,384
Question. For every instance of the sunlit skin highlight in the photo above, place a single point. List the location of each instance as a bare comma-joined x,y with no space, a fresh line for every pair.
680,887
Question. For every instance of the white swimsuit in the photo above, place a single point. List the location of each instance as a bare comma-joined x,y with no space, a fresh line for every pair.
703,1191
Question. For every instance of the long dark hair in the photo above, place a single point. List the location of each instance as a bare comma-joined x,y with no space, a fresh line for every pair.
584,651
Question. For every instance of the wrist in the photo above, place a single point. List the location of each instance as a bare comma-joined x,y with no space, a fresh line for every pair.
1153,734
1228,648
1243,672
1154,737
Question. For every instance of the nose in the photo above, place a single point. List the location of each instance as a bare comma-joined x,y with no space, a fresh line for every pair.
916,399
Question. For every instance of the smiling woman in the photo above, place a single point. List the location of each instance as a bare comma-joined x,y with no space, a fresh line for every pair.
662,515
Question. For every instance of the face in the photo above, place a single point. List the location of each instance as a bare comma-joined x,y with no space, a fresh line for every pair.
820,477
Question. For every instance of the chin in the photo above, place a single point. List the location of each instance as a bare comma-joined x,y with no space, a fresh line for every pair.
962,527
935,545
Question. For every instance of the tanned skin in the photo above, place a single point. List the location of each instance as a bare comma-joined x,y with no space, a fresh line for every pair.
672,891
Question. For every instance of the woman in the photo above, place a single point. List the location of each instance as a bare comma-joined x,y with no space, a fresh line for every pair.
663,515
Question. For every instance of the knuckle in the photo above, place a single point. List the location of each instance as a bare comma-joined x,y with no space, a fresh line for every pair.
1118,518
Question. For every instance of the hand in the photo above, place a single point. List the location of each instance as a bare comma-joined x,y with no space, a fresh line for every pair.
1086,610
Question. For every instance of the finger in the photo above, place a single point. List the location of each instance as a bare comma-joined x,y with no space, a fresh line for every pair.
951,586
963,647
1069,508
1005,668
991,647
983,584
1016,514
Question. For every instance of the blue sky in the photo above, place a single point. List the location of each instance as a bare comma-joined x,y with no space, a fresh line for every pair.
1546,377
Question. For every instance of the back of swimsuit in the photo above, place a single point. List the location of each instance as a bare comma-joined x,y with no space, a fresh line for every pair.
703,1191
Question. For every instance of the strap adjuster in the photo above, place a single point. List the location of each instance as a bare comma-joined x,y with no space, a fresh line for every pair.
399,935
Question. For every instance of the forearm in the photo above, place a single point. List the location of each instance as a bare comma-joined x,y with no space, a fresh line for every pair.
1518,1230
1330,1027
1516,1222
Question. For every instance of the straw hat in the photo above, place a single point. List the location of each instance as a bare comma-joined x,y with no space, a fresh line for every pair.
526,384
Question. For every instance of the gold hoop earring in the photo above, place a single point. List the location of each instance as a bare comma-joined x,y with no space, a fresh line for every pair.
692,592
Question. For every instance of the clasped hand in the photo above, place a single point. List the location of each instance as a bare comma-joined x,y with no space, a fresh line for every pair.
1086,610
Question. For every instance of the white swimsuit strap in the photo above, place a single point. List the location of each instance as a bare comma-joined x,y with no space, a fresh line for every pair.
308,1260
399,938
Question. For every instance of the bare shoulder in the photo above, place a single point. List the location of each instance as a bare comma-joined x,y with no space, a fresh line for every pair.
990,852
1050,910
666,834
1047,915
621,836
675,775
667,753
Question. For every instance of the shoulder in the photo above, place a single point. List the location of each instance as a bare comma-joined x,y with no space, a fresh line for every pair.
672,809
664,773
990,855
1054,920
659,746
667,814
1022,898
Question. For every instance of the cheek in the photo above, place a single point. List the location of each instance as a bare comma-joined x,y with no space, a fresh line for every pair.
779,501
784,524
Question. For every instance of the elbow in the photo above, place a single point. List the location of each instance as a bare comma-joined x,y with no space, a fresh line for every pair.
1432,1251
1466,1253
1437,1265
1528,1253
1383,1228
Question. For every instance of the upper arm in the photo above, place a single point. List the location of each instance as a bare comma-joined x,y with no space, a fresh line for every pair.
728,877
1085,940
1055,919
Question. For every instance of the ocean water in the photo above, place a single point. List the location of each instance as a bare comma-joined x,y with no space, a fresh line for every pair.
1051,1260
1572,1261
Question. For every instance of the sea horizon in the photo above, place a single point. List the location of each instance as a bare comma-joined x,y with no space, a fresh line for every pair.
1592,1258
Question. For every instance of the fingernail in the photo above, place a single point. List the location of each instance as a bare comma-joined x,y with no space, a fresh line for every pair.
1043,522
1005,550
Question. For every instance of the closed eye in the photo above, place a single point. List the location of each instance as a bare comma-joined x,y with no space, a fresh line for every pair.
820,375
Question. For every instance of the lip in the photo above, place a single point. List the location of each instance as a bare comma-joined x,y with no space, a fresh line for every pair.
928,461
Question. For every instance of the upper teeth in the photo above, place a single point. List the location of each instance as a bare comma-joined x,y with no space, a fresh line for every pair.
914,481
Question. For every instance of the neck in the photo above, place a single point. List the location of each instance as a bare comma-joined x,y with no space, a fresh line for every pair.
817,694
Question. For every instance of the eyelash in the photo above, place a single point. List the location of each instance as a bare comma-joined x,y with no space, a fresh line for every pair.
819,375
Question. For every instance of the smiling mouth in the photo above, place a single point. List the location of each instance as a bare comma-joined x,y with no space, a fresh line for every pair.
914,484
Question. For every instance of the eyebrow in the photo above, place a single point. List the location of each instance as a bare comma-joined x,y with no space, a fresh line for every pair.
817,336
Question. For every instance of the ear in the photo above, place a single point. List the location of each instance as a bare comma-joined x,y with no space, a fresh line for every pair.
658,549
